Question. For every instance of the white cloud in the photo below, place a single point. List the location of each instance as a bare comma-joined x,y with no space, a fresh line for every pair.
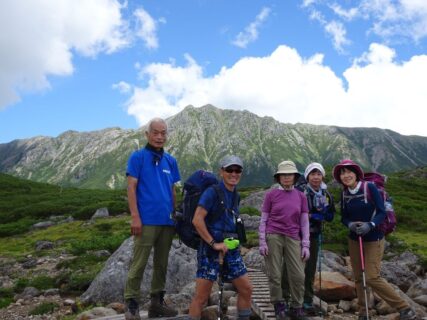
250,34
42,37
381,93
338,33
335,29
146,28
347,14
122,86
390,19
403,18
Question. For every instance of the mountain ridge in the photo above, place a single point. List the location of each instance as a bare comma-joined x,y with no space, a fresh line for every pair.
198,138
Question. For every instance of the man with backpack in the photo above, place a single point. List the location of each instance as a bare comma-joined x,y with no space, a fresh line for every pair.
151,174
213,255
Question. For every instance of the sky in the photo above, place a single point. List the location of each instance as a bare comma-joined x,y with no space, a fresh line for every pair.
92,64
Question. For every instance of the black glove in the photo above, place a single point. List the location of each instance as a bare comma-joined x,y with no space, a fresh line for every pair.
363,228
353,226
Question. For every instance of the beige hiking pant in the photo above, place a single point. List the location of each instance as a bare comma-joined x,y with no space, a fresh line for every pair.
373,254
284,256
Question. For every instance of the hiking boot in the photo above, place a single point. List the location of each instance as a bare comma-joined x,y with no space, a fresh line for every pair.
297,313
309,309
280,310
158,307
132,310
407,314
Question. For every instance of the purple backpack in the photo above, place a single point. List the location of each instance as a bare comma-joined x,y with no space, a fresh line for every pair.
390,221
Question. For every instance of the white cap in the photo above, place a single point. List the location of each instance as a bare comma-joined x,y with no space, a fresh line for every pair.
312,166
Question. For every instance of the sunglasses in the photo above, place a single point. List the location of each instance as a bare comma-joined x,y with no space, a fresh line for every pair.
235,170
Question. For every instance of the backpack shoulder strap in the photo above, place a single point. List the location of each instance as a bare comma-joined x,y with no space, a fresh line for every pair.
307,194
365,191
221,198
236,202
330,200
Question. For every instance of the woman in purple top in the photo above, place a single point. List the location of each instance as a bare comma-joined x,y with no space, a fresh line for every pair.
284,240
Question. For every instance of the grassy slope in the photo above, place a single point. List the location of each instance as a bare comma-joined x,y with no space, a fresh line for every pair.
24,202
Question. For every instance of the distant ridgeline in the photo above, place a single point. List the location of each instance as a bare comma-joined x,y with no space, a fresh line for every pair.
198,138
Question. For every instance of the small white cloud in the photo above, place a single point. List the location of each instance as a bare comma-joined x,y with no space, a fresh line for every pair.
147,28
42,37
377,54
379,93
338,33
250,34
335,29
347,14
122,86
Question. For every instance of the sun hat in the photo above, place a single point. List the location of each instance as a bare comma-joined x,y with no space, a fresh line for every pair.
312,166
287,166
231,161
349,164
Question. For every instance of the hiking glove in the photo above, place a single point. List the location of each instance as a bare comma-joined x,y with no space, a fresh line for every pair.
363,228
305,253
353,226
317,216
263,248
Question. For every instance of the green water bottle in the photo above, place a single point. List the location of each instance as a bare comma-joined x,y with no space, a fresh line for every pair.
231,243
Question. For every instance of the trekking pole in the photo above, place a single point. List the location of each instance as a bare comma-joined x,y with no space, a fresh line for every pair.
220,285
231,244
362,262
320,269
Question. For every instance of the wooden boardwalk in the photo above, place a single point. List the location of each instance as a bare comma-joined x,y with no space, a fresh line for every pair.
261,295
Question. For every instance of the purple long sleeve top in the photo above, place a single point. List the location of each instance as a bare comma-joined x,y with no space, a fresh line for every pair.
285,210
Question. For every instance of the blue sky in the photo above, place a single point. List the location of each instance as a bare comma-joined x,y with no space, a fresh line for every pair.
87,65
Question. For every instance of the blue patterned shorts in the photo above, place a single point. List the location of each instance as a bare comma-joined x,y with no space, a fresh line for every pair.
208,264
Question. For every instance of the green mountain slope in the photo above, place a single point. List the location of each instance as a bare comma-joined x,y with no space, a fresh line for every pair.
24,202
199,138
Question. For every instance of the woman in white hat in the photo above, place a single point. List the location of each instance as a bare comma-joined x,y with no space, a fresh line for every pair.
321,208
284,236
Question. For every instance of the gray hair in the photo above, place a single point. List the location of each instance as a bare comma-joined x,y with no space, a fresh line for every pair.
156,120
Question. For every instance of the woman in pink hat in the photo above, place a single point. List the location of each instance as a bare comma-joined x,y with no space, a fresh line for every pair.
362,210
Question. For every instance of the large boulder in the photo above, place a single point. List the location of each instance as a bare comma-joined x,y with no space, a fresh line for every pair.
253,259
335,287
334,263
108,286
398,270
101,213
419,288
251,222
254,200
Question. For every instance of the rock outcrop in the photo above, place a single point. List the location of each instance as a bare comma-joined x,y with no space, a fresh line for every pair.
108,286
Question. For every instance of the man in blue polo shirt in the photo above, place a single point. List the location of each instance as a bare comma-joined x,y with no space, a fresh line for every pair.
151,174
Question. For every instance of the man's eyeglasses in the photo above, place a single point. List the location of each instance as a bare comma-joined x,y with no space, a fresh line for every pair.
235,170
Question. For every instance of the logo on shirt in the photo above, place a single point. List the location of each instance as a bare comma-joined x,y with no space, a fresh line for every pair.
167,171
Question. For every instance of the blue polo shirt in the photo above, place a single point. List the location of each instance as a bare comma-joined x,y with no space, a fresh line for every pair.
155,181
210,201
